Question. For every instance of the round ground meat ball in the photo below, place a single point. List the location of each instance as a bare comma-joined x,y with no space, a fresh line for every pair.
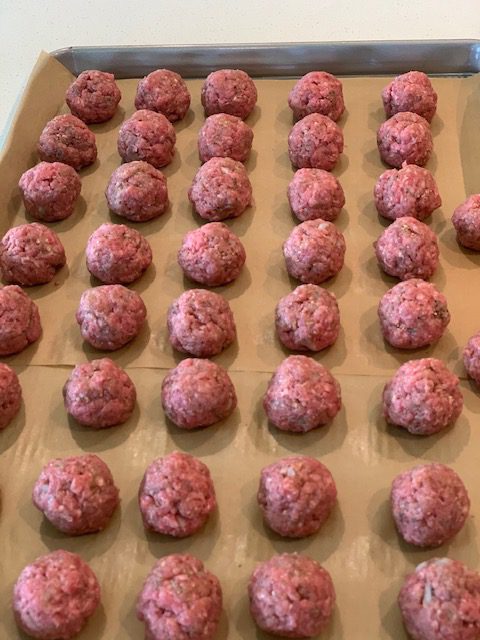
315,141
30,254
50,190
301,395
405,137
229,91
10,395
423,397
314,251
77,494
20,324
117,254
176,495
67,139
197,393
317,92
211,255
220,189
165,92
291,596
224,136
147,136
408,249
315,193
413,314
471,358
412,92
429,504
296,495
93,96
180,600
99,394
110,316
409,191
54,597
200,323
308,319
466,220
440,600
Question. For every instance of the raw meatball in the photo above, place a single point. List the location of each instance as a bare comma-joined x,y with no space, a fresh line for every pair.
466,220
180,600
423,397
176,495
117,254
200,323
408,249
429,504
137,191
301,395
110,316
317,92
220,189
229,91
163,91
20,324
224,136
409,191
50,190
315,141
77,494
412,92
441,601
413,314
471,358
211,255
405,137
291,596
55,596
296,495
314,251
147,136
315,193
99,394
197,393
67,139
93,96
10,395
308,319
30,254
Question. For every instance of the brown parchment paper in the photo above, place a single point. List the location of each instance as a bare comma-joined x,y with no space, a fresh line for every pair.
358,545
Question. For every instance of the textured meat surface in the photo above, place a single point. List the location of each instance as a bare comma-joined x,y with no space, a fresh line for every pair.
10,395
50,190
405,137
315,193
466,220
147,136
316,142
229,91
93,96
19,320
412,92
165,92
67,139
317,92
471,357
224,136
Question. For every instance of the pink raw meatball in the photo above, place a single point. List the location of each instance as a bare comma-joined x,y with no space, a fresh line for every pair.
197,393
147,136
412,92
466,220
67,139
317,92
110,316
224,136
405,137
220,189
308,319
413,314
314,251
440,600
50,190
315,193
200,323
20,324
296,495
423,397
10,395
99,394
176,495
165,92
301,395
229,91
180,600
408,249
93,96
471,358
55,596
291,596
315,141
